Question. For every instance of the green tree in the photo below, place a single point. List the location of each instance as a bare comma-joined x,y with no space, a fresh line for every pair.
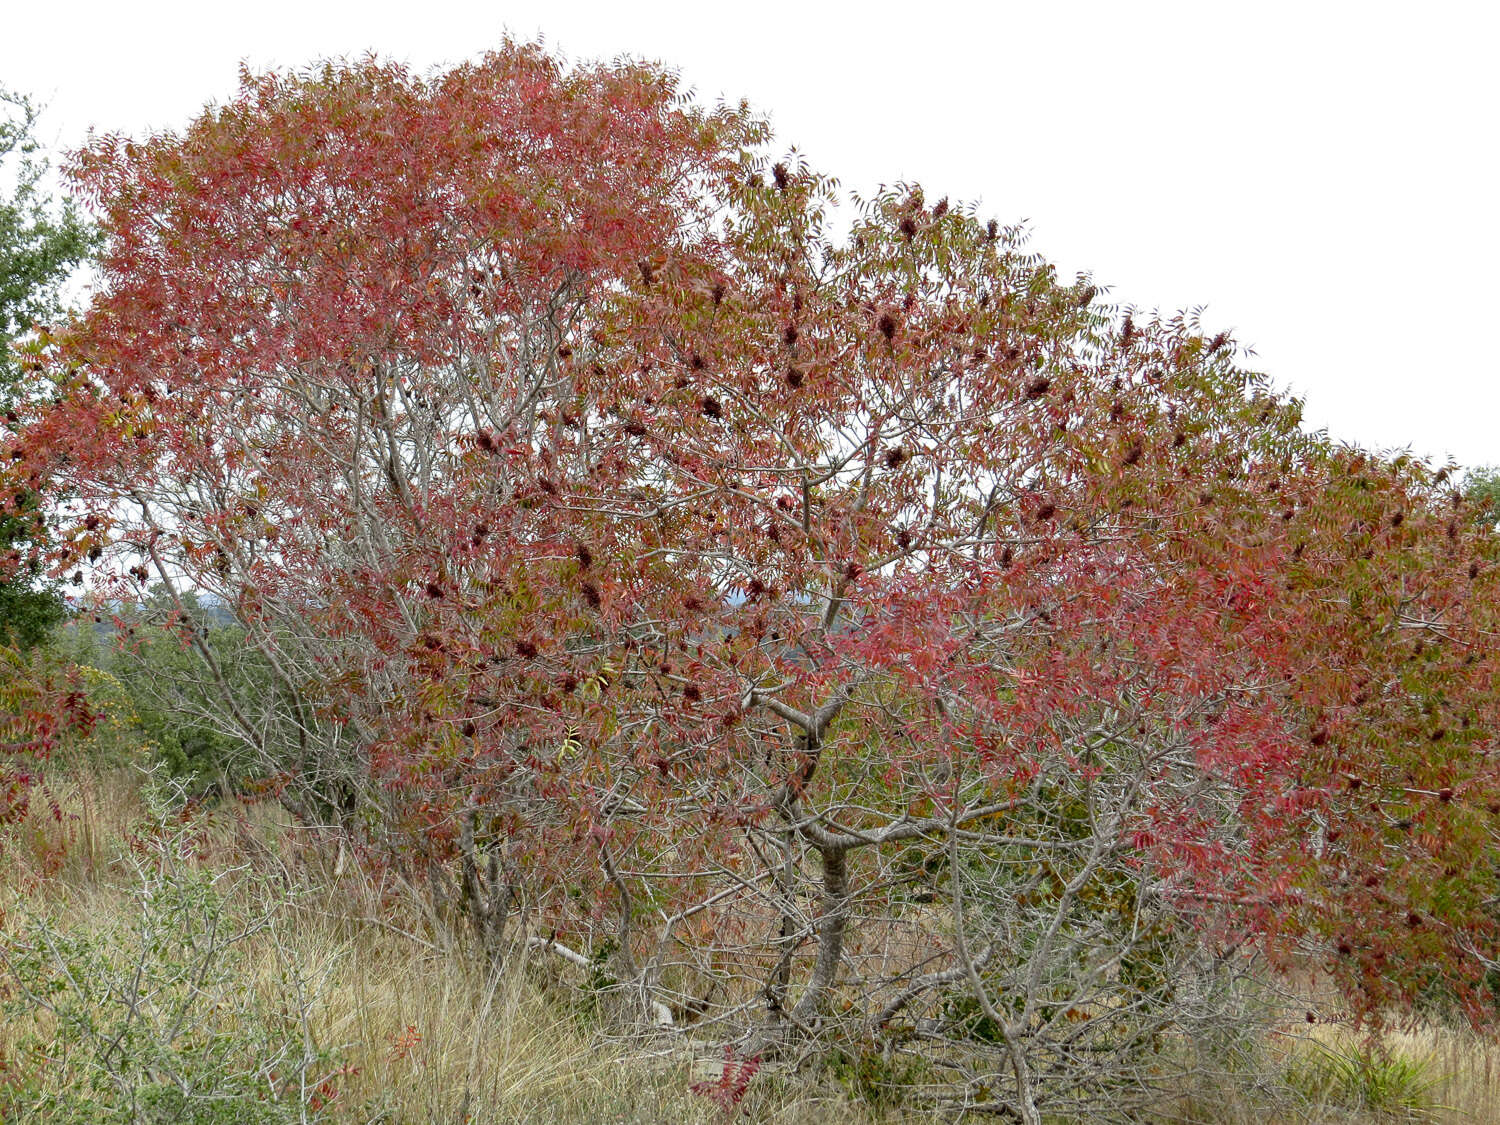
174,693
42,241
1482,489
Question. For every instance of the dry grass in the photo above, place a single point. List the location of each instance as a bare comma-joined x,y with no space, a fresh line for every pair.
425,1037
1332,1073
1456,1075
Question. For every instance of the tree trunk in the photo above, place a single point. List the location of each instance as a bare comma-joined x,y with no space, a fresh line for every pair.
830,932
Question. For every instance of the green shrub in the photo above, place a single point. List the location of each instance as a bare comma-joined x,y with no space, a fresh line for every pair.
882,1080
189,1011
1388,1083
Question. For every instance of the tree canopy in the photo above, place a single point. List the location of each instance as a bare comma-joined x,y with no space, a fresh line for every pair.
721,590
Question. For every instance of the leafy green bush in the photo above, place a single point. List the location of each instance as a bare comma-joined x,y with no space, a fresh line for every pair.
143,665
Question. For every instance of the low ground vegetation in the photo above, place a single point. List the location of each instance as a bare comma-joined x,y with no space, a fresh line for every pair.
171,963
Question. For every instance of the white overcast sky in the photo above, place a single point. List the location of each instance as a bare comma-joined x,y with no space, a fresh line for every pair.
1320,176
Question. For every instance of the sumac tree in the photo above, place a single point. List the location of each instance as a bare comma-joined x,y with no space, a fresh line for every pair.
863,635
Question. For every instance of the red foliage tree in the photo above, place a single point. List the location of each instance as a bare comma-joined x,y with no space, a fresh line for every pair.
611,526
